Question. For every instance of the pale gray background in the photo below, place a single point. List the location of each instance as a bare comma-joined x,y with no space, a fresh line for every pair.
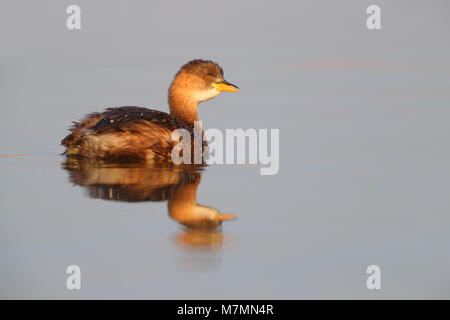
364,126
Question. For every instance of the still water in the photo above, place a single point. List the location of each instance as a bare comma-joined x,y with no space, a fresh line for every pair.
364,153
222,231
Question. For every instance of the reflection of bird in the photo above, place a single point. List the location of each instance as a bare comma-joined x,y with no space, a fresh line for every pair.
125,181
136,182
183,207
136,132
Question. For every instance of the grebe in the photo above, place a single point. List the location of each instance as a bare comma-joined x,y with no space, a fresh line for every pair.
141,133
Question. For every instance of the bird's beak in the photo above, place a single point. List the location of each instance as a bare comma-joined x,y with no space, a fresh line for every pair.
226,216
225,86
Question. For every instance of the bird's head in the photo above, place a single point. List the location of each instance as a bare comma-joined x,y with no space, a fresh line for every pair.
198,81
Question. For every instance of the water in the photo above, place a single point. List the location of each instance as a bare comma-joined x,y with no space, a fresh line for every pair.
364,154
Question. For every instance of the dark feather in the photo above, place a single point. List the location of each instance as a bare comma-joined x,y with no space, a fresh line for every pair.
124,132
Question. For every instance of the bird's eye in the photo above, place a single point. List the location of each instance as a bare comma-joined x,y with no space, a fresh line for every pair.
208,79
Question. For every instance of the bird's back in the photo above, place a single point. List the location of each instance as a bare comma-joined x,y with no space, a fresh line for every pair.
124,132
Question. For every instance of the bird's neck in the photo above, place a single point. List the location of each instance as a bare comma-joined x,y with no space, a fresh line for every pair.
184,195
183,201
183,107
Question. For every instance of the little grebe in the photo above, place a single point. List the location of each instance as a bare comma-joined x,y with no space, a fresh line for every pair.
141,133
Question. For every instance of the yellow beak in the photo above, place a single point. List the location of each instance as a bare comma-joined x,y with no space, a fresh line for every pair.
226,216
225,86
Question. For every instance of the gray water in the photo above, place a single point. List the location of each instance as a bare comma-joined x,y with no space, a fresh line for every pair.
364,151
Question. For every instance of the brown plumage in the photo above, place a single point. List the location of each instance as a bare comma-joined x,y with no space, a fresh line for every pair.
141,133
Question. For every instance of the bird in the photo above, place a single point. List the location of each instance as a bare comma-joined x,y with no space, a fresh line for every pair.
131,132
